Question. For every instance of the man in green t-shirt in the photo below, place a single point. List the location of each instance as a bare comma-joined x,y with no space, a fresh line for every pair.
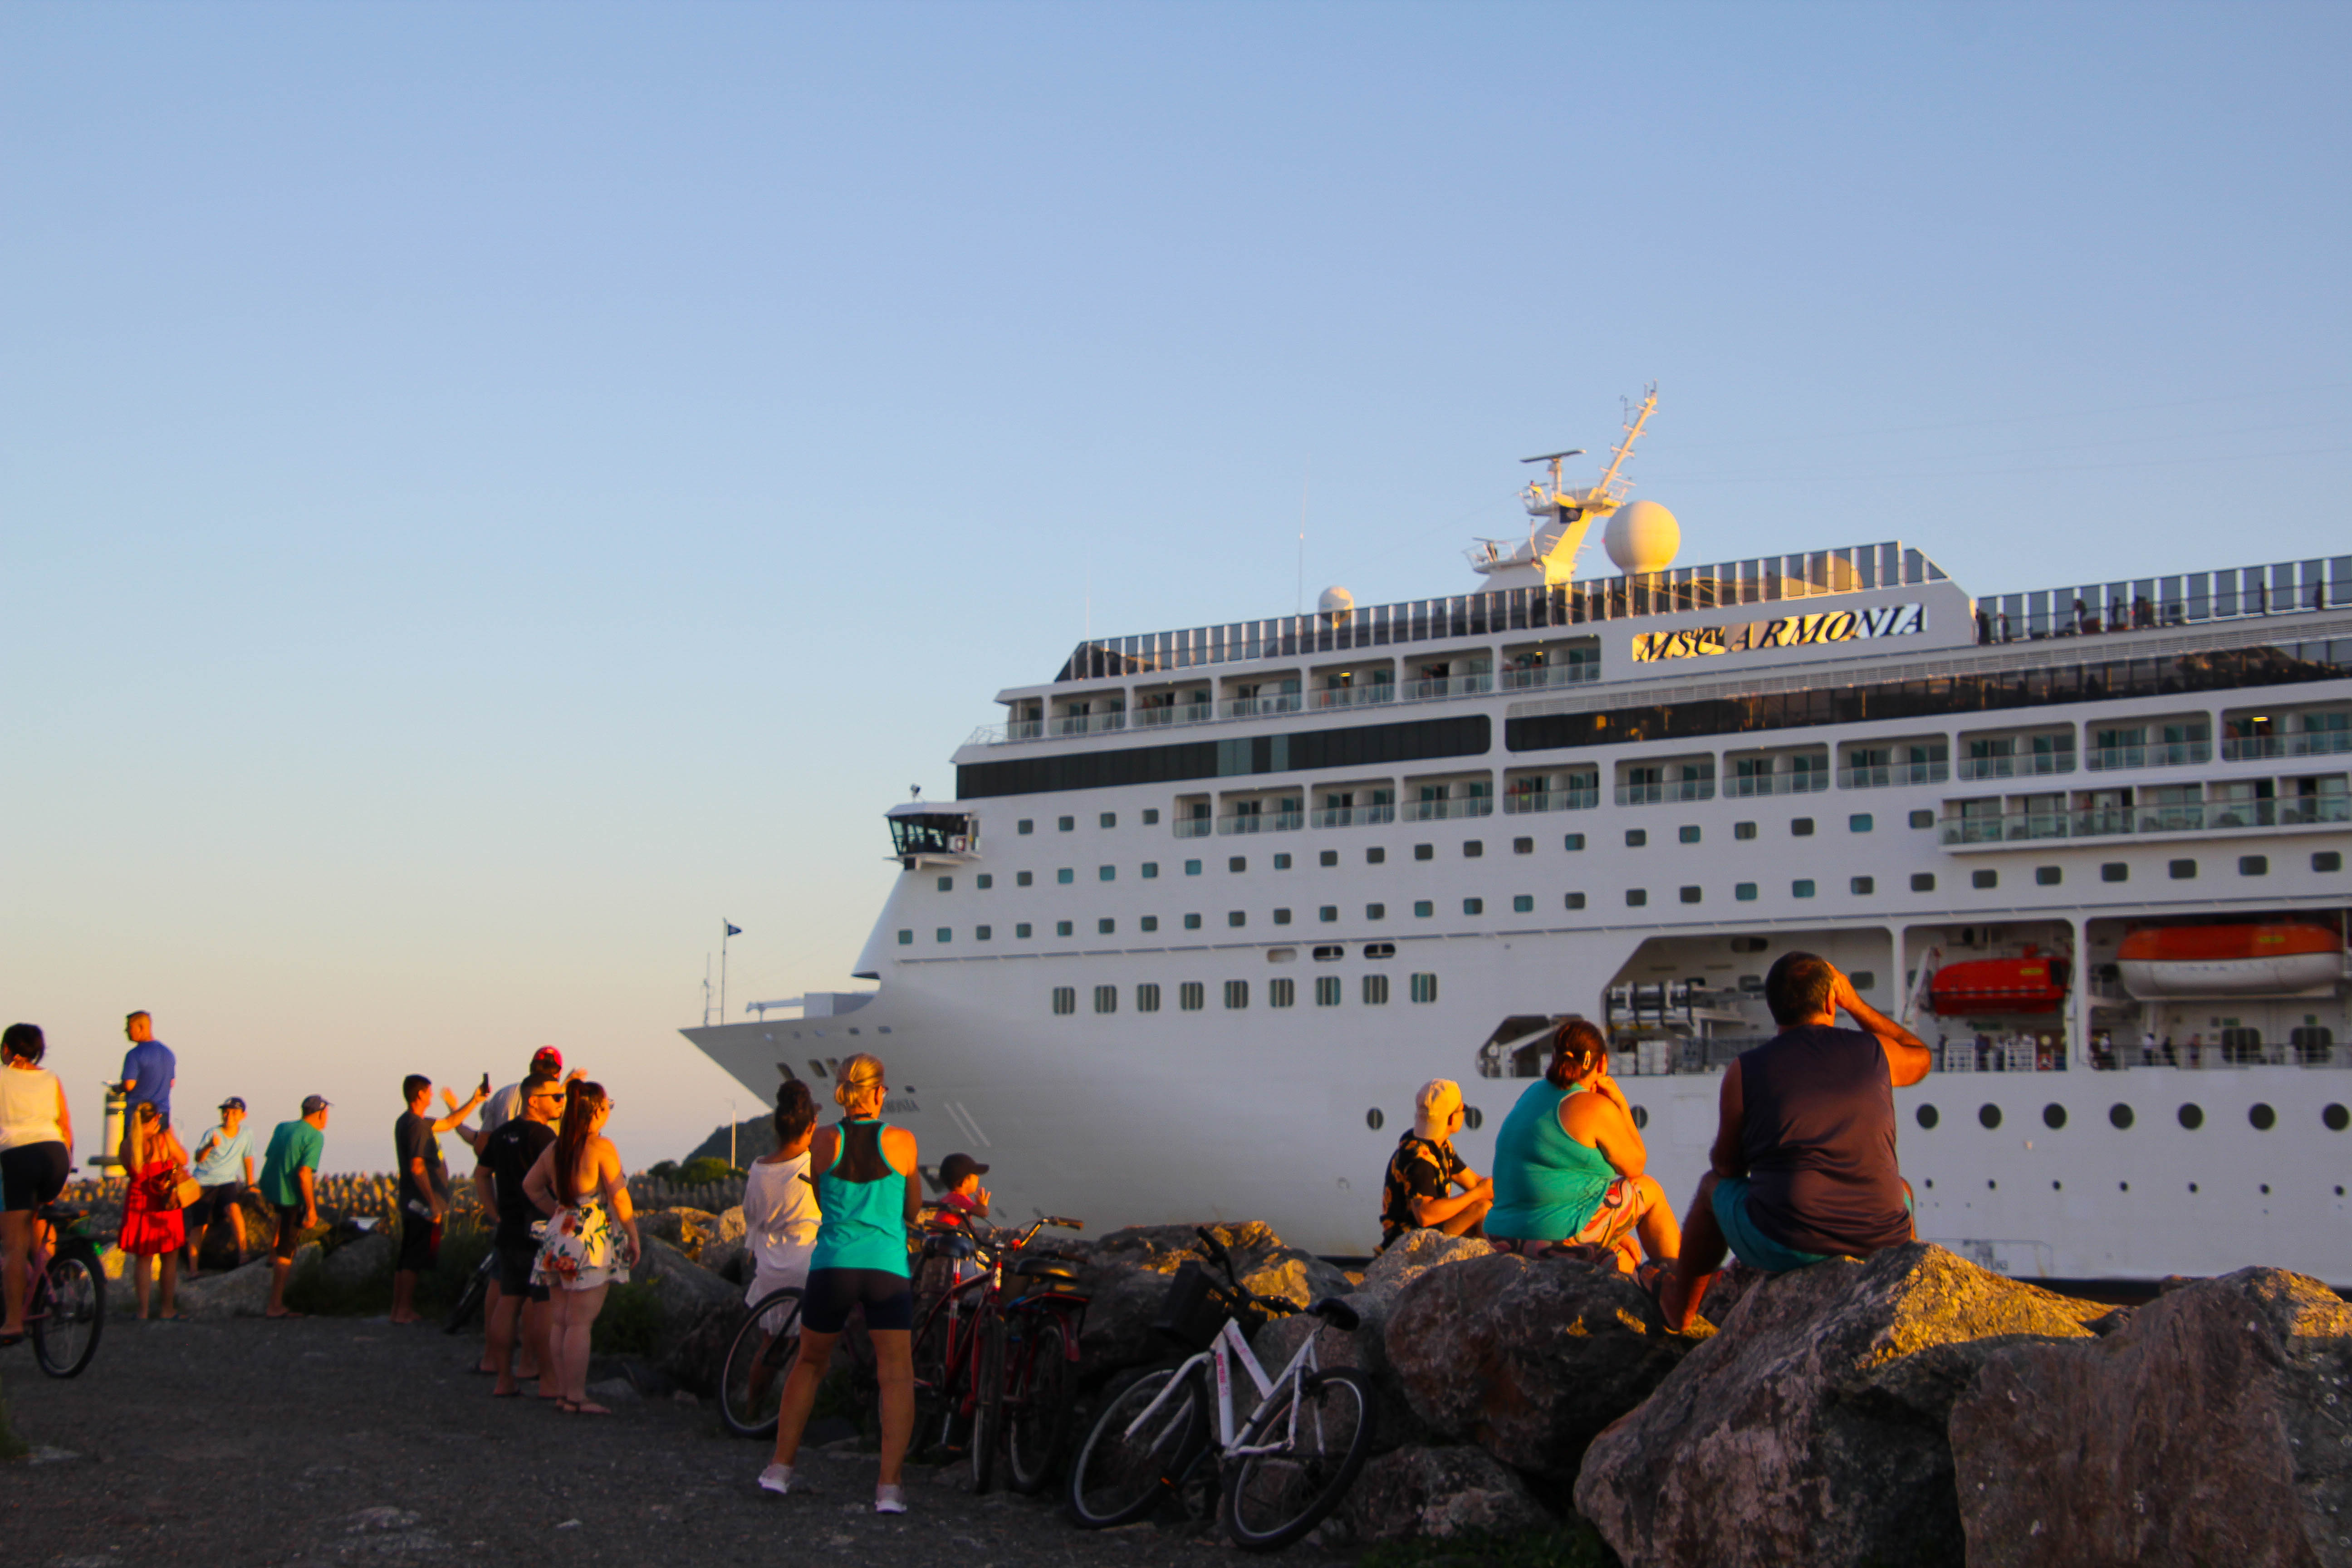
289,1173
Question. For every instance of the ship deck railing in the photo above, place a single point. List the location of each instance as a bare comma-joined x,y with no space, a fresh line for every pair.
1743,786
1531,800
1886,775
2304,743
2177,817
2166,603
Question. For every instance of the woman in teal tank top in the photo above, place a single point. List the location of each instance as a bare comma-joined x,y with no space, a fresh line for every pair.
867,1198
1570,1162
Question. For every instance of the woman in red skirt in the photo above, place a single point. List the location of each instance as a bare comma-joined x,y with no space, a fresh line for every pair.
152,1226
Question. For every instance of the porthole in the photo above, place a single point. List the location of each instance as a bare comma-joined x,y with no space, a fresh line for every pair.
1641,1116
2122,1186
2262,1119
2054,1187
2335,1117
2192,1186
2120,1116
2192,1116
1473,1117
1989,1116
2266,1189
1375,1120
1927,1117
1990,1184
2054,1116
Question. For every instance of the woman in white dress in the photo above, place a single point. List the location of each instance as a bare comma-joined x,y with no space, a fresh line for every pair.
780,1219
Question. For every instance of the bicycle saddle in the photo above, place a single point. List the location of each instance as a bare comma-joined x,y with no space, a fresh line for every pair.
1338,1314
951,1243
1045,1268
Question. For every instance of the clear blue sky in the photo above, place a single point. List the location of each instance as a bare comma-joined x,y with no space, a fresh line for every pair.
485,491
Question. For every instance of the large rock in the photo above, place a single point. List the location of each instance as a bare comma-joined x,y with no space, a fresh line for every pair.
1440,1494
687,1229
1811,1428
359,1260
1528,1358
1127,1275
1394,1423
686,1297
2215,1426
239,1293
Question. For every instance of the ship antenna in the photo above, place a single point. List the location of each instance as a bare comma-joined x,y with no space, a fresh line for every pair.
1634,421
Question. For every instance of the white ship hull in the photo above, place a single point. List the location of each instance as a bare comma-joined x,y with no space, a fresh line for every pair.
1107,987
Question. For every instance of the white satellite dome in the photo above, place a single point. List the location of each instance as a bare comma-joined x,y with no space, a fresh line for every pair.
1335,604
1642,537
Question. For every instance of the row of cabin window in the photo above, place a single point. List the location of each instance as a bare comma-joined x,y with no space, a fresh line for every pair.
1070,824
2181,870
1472,849
1191,995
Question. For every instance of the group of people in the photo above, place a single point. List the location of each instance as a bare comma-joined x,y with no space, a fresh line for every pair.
1803,1168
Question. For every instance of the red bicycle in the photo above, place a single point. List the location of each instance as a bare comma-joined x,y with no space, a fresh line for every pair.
996,1353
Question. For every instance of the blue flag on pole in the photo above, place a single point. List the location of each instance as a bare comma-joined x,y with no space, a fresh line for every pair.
732,929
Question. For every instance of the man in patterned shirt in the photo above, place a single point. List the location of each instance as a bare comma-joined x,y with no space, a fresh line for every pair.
1423,1173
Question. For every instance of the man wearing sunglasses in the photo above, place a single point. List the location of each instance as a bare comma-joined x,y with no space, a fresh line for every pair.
509,1152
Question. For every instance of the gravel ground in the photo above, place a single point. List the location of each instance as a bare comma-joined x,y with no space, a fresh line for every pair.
337,1440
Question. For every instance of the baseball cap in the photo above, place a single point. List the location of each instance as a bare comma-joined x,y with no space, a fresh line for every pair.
956,1167
1435,1107
233,1102
547,1056
313,1103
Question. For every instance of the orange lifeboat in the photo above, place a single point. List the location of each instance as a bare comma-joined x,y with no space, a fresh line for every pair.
2160,961
2033,984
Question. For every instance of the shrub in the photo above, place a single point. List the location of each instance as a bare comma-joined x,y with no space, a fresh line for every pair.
709,1168
630,1321
663,1170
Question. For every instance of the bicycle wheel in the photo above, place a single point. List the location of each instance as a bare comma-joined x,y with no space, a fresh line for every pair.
751,1383
65,1336
1037,1406
1121,1474
987,1403
932,1349
469,1300
1272,1498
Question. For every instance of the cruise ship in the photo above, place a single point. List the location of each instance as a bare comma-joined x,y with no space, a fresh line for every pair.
1210,904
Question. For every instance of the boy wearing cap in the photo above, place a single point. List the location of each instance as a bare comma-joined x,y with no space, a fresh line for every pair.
289,1176
1419,1193
224,1169
966,1199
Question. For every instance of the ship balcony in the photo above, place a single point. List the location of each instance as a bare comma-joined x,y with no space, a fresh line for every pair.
1654,793
2304,743
2162,755
1262,822
1885,775
1553,675
1552,800
1353,816
1743,786
1353,696
1449,810
1194,827
2176,816
1173,713
2035,764
1257,707
1088,723
1444,686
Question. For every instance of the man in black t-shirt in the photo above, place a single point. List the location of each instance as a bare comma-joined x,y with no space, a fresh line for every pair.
509,1152
423,1187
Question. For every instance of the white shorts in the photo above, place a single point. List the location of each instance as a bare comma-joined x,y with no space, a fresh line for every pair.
765,1281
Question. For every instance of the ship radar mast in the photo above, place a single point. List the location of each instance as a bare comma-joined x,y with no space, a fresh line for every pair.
1560,518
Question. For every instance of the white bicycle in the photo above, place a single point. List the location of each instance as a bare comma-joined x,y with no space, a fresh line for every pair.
1279,1471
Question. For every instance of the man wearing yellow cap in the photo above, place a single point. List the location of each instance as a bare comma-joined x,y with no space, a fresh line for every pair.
1419,1193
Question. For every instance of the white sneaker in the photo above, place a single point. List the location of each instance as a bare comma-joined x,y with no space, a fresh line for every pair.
776,1478
889,1500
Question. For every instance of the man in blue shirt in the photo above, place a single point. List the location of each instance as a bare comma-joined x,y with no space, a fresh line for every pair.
148,1068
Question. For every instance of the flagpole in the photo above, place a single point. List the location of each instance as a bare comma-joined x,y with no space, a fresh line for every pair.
726,929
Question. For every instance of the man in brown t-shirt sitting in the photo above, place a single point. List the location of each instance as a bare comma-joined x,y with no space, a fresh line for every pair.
1803,1166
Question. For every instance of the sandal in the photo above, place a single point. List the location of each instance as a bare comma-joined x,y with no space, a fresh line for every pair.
589,1408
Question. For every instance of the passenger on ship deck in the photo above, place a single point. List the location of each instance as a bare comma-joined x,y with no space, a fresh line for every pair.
1803,1163
1570,1166
1418,1192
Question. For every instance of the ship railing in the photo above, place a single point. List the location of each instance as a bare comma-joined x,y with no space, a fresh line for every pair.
1352,696
2169,754
2207,1056
2036,764
2006,1054
1660,794
1550,675
1740,786
2166,603
1436,686
1194,827
1353,816
1255,706
1172,713
1449,810
1089,723
1262,822
1881,776
2304,743
1552,800
2167,817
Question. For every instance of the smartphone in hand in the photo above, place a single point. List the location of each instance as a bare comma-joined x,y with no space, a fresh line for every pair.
485,1090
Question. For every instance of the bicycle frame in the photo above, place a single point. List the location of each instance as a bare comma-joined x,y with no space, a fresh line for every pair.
1223,1351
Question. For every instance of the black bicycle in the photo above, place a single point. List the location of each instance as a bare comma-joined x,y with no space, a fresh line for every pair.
65,1305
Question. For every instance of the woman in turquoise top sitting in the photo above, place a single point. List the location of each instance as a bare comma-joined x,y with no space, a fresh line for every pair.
867,1198
1569,1164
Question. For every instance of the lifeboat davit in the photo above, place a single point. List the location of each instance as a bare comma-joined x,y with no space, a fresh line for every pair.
2230,961
2036,985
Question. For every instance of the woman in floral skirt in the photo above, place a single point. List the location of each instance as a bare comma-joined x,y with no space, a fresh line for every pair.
592,1237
